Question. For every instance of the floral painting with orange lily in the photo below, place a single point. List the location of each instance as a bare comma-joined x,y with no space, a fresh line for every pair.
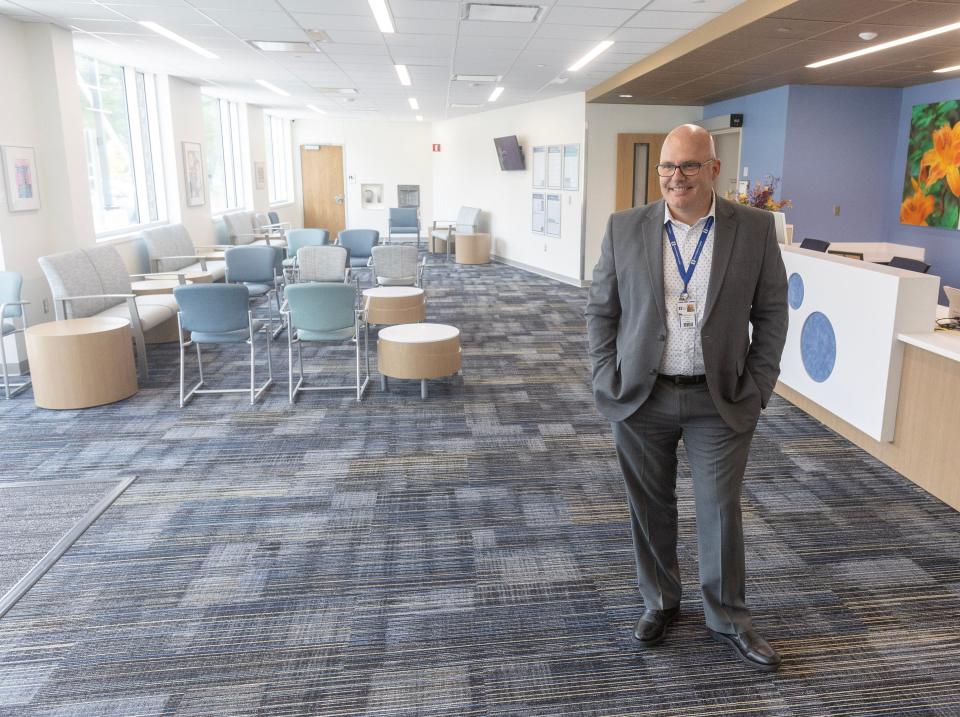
931,187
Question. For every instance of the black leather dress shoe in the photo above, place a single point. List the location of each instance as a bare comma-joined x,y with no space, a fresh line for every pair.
752,649
652,626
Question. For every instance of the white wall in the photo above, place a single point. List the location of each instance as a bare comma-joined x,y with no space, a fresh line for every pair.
467,172
604,123
186,125
258,153
388,153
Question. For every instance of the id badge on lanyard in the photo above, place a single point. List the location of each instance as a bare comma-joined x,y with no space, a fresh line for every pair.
687,306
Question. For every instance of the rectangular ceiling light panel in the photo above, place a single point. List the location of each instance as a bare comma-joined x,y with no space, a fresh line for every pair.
492,12
476,78
280,46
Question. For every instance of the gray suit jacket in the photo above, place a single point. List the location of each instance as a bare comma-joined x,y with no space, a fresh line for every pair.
626,316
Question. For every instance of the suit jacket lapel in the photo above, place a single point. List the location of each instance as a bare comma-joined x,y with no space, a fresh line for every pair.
724,234
651,239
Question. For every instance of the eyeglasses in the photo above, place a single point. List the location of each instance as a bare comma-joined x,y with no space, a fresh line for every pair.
687,169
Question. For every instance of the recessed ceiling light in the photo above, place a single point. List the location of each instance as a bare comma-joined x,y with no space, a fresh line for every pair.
593,54
403,74
318,36
476,78
626,97
887,45
276,46
316,109
868,36
273,88
493,12
381,15
170,35
495,95
419,118
414,105
948,69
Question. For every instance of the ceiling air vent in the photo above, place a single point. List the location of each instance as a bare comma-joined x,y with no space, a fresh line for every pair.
492,12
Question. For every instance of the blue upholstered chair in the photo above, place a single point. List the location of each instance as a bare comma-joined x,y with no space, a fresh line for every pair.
297,238
321,312
11,307
814,244
397,266
259,268
902,262
359,243
219,314
403,221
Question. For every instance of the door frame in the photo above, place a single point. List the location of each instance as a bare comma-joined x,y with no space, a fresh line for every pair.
738,131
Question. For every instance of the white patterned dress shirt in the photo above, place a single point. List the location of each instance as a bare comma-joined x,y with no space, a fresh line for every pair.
683,353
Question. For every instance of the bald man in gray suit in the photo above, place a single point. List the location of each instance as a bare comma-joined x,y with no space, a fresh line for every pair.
676,287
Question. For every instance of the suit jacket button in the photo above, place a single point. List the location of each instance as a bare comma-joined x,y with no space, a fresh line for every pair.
663,337
652,372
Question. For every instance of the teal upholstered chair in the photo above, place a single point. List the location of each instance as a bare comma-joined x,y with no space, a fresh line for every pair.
259,268
404,221
321,312
360,243
297,238
219,314
11,308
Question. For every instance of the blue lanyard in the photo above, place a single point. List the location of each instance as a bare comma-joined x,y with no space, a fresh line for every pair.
687,273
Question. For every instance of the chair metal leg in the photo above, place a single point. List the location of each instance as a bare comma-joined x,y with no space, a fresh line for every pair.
290,366
181,372
423,389
253,367
383,382
3,360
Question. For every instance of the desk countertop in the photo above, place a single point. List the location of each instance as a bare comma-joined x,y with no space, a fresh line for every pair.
943,343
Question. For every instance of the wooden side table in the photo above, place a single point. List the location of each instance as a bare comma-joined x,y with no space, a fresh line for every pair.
472,249
388,305
418,351
80,363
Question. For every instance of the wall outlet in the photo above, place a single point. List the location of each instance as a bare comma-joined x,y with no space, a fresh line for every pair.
836,210
746,171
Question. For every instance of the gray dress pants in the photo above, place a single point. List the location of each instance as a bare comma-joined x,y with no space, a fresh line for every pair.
647,450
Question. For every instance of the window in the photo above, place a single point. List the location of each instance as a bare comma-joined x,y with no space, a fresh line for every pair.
279,166
121,135
222,135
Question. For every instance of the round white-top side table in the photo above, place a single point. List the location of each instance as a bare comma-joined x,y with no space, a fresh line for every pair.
418,351
80,363
395,305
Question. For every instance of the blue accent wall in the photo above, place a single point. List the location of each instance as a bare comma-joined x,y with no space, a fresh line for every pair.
764,130
942,245
838,152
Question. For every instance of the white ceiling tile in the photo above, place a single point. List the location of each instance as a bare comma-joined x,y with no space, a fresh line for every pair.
639,34
420,26
622,4
422,51
67,10
654,18
351,37
111,26
420,61
694,5
474,28
574,32
164,15
277,34
378,53
432,9
247,5
514,43
329,21
406,40
251,18
332,7
588,16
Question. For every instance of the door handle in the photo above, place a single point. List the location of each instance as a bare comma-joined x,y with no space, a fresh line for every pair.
338,198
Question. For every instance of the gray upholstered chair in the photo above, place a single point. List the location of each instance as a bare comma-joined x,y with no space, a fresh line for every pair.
324,313
397,266
95,282
403,221
170,249
11,308
467,222
297,238
359,243
323,263
219,314
241,228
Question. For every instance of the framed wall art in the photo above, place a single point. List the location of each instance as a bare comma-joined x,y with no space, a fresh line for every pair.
193,174
20,177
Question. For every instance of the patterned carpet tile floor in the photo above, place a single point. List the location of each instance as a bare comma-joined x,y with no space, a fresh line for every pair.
464,555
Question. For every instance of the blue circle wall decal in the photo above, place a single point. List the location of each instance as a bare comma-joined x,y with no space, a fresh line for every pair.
818,347
795,291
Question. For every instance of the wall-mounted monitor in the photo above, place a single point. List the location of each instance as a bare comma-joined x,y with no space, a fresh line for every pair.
509,153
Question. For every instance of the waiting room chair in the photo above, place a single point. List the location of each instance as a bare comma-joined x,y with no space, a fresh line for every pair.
467,222
323,264
297,238
219,314
258,268
403,221
902,262
11,307
170,249
321,312
359,243
815,244
397,266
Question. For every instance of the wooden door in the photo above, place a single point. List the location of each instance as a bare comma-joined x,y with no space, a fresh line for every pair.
321,171
637,180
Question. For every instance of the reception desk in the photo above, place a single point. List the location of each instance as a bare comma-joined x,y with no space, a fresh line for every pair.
871,367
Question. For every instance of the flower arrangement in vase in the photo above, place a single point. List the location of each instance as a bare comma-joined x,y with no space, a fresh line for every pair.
761,196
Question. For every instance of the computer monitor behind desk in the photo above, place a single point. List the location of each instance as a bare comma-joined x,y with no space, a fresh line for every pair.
953,296
847,254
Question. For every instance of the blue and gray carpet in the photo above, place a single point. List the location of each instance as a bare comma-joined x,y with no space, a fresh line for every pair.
466,555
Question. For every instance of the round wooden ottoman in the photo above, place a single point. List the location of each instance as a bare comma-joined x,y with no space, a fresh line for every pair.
418,351
472,249
80,363
395,305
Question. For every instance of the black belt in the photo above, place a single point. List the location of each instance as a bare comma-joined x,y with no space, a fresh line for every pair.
683,380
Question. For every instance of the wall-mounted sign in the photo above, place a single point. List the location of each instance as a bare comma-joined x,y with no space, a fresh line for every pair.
436,147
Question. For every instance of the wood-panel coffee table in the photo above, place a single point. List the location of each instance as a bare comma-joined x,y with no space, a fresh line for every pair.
418,351
80,363
388,305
